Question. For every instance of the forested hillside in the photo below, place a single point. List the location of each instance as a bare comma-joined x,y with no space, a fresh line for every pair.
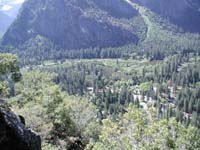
185,13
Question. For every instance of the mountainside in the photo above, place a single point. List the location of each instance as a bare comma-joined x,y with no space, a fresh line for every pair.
184,13
75,24
5,22
8,12
45,26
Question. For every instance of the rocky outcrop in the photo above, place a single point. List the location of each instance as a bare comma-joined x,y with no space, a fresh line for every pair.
14,135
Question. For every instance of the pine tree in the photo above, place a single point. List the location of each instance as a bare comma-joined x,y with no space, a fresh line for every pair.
194,118
198,106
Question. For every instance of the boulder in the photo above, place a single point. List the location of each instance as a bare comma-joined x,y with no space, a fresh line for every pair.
13,133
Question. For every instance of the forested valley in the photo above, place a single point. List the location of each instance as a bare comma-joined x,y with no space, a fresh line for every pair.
126,79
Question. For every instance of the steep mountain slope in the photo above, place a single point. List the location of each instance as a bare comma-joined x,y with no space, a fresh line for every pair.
75,24
8,12
5,21
183,13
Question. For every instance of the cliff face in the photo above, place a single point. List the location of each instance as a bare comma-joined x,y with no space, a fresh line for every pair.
183,13
8,12
14,135
74,24
5,22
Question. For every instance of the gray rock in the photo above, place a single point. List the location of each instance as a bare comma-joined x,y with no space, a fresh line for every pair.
13,133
